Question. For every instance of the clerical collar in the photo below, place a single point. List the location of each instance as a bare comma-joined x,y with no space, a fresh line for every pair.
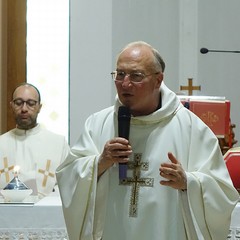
31,131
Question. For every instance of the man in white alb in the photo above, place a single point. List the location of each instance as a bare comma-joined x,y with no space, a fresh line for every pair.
177,185
31,147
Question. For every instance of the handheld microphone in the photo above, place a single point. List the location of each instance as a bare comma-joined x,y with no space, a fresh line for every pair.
205,50
124,117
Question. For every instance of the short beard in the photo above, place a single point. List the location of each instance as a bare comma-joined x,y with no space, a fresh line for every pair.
26,125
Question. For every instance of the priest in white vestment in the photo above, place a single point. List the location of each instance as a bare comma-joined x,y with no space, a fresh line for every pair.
34,149
177,185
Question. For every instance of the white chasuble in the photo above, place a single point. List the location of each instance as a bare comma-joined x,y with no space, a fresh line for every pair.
139,208
38,152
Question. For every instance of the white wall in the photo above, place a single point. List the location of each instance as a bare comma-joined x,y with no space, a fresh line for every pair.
99,29
154,21
219,72
178,29
90,60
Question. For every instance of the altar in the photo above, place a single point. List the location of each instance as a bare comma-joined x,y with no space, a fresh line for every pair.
41,220
44,220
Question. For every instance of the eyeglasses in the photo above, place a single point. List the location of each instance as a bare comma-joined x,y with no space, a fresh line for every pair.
135,77
18,103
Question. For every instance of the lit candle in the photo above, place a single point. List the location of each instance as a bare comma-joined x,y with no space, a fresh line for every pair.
16,171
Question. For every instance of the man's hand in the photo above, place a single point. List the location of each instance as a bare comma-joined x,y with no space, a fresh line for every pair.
174,174
117,150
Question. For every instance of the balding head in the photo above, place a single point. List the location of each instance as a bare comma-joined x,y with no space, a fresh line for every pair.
26,105
157,59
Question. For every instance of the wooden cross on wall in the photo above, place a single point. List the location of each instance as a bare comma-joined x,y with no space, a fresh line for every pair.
190,87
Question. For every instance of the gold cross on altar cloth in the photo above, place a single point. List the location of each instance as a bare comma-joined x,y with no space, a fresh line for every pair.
46,173
190,87
6,169
136,181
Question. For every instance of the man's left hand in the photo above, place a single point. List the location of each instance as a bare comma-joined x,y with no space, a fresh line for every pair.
174,174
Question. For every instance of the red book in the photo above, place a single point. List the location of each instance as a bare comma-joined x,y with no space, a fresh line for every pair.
215,114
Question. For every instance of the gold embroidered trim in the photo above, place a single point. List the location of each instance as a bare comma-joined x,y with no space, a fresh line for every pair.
6,169
46,173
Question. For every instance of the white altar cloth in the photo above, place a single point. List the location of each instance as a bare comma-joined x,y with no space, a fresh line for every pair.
41,220
44,220
234,232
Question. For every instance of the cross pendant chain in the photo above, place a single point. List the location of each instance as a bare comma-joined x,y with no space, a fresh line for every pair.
136,182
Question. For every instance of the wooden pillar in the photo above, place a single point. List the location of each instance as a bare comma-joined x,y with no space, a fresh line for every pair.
16,52
3,65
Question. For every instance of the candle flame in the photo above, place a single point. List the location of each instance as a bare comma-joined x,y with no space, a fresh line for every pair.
16,169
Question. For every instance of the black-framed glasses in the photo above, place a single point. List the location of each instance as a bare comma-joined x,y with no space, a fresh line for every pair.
18,103
135,77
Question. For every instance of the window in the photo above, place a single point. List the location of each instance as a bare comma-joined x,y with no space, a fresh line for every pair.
48,60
